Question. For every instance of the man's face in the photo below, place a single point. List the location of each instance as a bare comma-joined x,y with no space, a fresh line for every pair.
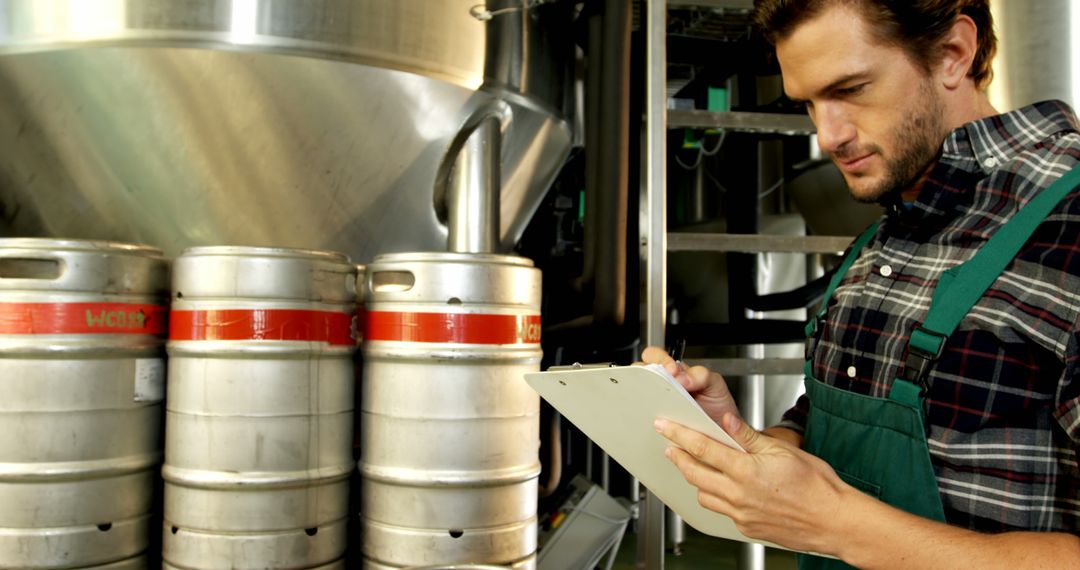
878,114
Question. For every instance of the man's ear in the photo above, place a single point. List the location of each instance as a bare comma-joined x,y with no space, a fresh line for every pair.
957,51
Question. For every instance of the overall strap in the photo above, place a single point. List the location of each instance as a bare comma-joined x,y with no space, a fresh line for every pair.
853,253
962,286
856,247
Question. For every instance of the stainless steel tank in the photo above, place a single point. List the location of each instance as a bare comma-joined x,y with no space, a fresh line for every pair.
332,124
1038,52
449,428
259,417
82,329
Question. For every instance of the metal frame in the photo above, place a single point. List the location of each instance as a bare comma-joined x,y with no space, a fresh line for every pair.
656,241
742,122
651,531
728,4
757,243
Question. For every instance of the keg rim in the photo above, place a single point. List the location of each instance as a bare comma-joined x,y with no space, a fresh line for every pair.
459,567
78,245
264,251
450,257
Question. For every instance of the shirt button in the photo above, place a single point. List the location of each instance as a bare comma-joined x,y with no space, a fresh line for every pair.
851,371
990,162
885,271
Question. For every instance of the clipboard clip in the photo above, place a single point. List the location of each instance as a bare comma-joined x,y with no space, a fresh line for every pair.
580,366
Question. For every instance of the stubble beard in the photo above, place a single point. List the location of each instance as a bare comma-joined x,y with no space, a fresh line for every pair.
917,141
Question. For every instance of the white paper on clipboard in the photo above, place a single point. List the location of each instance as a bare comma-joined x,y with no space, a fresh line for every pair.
615,407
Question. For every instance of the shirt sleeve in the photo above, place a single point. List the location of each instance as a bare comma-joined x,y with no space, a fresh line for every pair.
1067,401
795,418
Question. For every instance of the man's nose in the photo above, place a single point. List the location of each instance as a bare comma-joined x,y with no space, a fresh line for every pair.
834,128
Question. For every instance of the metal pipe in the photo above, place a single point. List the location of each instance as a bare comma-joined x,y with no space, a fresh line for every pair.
752,406
612,197
751,556
674,532
605,472
652,528
473,197
554,471
593,140
697,209
1023,74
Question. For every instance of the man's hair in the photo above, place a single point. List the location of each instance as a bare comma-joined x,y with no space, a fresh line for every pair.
916,26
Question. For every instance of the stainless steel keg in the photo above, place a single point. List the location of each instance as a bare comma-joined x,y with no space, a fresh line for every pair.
449,428
82,374
259,415
137,563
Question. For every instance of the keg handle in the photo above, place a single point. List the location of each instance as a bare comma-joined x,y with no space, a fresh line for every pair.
391,281
24,265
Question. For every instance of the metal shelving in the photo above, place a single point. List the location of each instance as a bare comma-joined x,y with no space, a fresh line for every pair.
751,366
728,4
657,242
765,123
756,243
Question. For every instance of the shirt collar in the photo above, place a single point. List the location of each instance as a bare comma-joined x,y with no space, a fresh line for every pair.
989,143
976,149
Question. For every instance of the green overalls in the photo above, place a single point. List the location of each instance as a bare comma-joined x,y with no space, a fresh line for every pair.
878,445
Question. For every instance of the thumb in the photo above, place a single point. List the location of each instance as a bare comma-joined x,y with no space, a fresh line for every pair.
749,438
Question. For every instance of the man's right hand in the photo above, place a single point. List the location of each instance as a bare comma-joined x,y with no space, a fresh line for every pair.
707,387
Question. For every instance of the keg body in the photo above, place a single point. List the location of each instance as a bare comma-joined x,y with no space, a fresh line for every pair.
449,428
259,412
82,328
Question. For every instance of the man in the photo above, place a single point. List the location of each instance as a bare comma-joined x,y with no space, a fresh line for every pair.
941,425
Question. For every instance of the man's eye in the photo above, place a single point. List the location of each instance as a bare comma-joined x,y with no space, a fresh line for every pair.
853,90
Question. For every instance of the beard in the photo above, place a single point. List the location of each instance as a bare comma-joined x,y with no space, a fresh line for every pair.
916,143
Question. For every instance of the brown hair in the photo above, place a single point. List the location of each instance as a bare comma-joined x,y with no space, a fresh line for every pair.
917,26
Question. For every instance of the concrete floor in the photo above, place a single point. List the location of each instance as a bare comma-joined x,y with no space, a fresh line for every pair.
701,552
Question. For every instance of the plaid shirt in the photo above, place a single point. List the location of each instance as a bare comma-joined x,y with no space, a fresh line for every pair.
1004,405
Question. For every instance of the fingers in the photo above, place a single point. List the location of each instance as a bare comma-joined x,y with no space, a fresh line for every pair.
752,440
749,438
704,477
701,378
710,383
694,379
656,355
698,445
708,387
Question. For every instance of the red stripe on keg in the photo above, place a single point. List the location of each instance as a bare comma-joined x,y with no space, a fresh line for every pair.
471,328
263,324
83,318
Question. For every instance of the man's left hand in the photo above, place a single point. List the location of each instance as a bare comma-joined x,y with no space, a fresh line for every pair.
774,492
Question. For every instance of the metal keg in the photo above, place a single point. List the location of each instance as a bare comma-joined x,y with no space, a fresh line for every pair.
137,563
82,327
449,428
259,415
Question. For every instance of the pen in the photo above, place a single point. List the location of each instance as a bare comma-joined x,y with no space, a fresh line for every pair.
676,349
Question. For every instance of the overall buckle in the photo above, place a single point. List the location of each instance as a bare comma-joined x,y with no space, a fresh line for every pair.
919,361
812,326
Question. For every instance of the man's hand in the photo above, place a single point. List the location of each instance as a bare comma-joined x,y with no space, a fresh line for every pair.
707,387
774,491
779,493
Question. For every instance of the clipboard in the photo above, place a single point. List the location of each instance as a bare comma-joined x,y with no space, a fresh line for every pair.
615,407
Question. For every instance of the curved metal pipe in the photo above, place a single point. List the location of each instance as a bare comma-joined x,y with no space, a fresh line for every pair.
549,487
474,190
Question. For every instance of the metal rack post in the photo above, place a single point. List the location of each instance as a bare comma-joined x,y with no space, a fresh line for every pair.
652,518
